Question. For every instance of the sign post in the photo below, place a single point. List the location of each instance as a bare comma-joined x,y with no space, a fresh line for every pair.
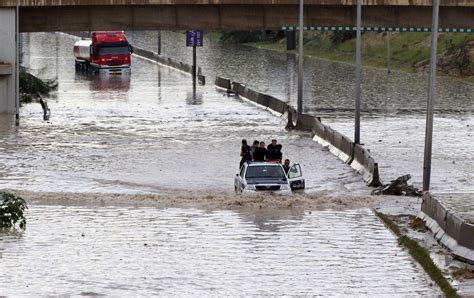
194,39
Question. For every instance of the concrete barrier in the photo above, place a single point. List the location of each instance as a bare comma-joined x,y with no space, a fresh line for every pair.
364,164
449,229
452,222
347,146
318,128
466,235
305,122
251,95
201,77
238,88
168,62
441,213
358,157
277,105
263,99
429,206
223,83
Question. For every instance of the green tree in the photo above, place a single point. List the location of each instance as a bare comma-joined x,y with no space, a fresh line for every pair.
12,210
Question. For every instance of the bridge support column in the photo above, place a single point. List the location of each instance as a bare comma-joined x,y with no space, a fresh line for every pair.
290,40
159,43
7,60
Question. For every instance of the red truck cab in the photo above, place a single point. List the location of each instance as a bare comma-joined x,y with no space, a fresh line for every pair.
110,50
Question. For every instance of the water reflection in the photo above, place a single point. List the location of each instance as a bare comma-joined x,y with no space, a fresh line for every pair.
273,220
103,81
193,97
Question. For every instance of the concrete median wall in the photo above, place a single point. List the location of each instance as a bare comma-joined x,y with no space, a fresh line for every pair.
357,156
449,229
168,62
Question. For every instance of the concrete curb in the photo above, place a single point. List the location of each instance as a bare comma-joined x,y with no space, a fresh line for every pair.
355,155
449,229
169,62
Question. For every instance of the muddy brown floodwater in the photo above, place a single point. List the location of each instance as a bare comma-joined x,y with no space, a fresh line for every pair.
130,192
74,250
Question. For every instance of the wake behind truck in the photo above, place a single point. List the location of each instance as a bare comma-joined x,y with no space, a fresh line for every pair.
106,51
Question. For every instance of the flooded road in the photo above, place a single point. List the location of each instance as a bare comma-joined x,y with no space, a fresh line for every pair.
112,142
69,250
393,106
145,133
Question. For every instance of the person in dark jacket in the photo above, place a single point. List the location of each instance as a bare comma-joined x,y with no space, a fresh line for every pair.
286,166
245,153
255,145
260,153
278,154
274,151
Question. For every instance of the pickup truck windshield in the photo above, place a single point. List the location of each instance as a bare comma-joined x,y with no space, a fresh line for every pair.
114,50
265,172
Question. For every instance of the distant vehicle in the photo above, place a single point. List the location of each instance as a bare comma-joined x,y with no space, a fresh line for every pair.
268,177
106,50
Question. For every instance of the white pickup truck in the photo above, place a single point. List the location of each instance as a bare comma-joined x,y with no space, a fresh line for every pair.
268,177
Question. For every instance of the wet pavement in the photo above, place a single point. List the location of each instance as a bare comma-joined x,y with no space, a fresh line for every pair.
72,250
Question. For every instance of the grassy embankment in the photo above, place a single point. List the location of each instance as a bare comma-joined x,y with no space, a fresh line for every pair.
407,49
421,255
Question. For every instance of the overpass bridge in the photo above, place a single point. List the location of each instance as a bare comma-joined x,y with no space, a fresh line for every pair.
89,15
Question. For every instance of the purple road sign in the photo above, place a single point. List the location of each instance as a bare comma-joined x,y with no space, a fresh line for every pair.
194,38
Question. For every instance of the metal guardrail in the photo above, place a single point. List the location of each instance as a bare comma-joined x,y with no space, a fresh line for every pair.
187,68
379,29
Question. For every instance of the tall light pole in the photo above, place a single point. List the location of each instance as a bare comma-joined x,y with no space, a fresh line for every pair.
358,75
431,95
299,107
17,65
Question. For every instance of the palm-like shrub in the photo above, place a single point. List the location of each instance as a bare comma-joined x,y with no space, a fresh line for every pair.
12,210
